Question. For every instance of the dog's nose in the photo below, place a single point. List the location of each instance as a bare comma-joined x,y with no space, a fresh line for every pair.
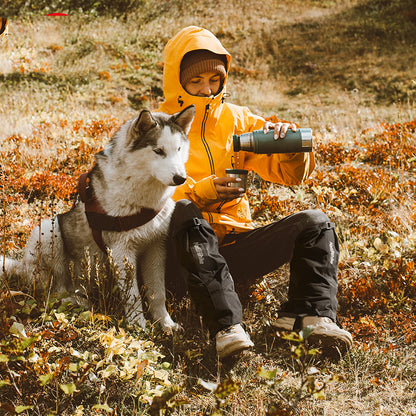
179,180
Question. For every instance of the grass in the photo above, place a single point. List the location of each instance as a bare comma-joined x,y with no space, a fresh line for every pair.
344,68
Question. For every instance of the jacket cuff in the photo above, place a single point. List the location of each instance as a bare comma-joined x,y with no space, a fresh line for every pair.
205,190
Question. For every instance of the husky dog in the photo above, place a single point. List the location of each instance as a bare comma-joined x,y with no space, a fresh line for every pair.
133,178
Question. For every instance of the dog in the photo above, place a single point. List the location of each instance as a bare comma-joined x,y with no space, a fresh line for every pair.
131,183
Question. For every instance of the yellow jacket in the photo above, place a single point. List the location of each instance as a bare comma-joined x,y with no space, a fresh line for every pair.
211,148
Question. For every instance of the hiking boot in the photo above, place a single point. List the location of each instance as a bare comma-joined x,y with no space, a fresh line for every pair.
232,340
284,323
327,334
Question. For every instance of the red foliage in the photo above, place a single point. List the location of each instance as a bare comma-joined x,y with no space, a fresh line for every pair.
371,329
395,146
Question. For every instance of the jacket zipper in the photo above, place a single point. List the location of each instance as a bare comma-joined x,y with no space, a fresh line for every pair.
204,141
210,158
220,206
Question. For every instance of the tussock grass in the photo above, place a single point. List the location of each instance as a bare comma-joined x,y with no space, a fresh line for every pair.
341,67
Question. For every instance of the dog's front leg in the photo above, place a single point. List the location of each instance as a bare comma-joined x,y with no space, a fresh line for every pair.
128,284
153,274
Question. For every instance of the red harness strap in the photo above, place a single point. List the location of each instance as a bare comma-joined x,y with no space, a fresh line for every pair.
99,221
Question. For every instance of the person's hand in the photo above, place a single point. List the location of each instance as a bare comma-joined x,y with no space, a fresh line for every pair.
280,129
227,193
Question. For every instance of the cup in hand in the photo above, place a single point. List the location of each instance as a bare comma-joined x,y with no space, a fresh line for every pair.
237,173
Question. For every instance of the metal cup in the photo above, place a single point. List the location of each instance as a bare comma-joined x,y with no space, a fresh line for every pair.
237,173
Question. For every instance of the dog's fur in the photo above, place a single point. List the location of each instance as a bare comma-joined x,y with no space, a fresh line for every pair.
139,168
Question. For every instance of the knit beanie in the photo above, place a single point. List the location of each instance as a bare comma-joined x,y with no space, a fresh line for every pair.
200,61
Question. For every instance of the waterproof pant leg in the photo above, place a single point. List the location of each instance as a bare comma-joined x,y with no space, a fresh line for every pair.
307,240
208,279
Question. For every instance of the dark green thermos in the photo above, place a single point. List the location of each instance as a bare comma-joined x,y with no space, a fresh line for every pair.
257,142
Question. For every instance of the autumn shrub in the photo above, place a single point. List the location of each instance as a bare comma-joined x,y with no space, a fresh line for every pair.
394,147
63,360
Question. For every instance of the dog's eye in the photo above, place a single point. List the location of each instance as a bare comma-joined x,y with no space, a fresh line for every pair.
159,151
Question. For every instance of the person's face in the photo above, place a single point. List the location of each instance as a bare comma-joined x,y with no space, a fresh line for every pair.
204,85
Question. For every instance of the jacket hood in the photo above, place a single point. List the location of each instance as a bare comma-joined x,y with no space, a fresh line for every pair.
188,39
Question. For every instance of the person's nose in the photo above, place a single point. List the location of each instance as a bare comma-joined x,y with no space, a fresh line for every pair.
206,89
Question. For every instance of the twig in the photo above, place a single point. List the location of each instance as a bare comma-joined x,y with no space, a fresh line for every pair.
12,378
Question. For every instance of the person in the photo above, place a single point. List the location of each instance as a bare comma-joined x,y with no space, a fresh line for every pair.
213,244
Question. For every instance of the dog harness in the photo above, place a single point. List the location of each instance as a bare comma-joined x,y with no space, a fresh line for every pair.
98,219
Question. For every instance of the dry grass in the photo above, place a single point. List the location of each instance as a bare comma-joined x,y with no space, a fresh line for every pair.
337,66
333,84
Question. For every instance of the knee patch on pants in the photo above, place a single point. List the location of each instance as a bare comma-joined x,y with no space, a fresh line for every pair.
201,246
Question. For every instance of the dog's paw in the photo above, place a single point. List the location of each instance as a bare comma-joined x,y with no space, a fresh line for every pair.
169,326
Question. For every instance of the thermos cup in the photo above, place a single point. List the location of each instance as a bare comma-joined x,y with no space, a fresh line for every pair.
237,173
257,142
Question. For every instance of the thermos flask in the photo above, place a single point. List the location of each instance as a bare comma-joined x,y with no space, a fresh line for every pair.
257,142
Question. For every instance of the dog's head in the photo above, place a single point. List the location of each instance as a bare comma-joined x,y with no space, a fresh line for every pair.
156,144
163,141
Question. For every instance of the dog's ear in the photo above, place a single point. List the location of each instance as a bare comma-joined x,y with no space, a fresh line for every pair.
100,156
185,118
144,123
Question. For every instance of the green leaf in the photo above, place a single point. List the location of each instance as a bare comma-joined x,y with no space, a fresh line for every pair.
297,351
108,371
4,358
27,342
267,374
21,409
45,379
33,357
5,383
337,377
68,388
73,367
102,407
292,336
314,351
320,395
85,316
18,358
18,329
226,388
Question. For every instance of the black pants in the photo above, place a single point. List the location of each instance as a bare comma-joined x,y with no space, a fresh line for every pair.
307,240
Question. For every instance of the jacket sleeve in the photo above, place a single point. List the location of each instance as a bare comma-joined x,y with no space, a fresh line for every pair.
284,168
201,193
